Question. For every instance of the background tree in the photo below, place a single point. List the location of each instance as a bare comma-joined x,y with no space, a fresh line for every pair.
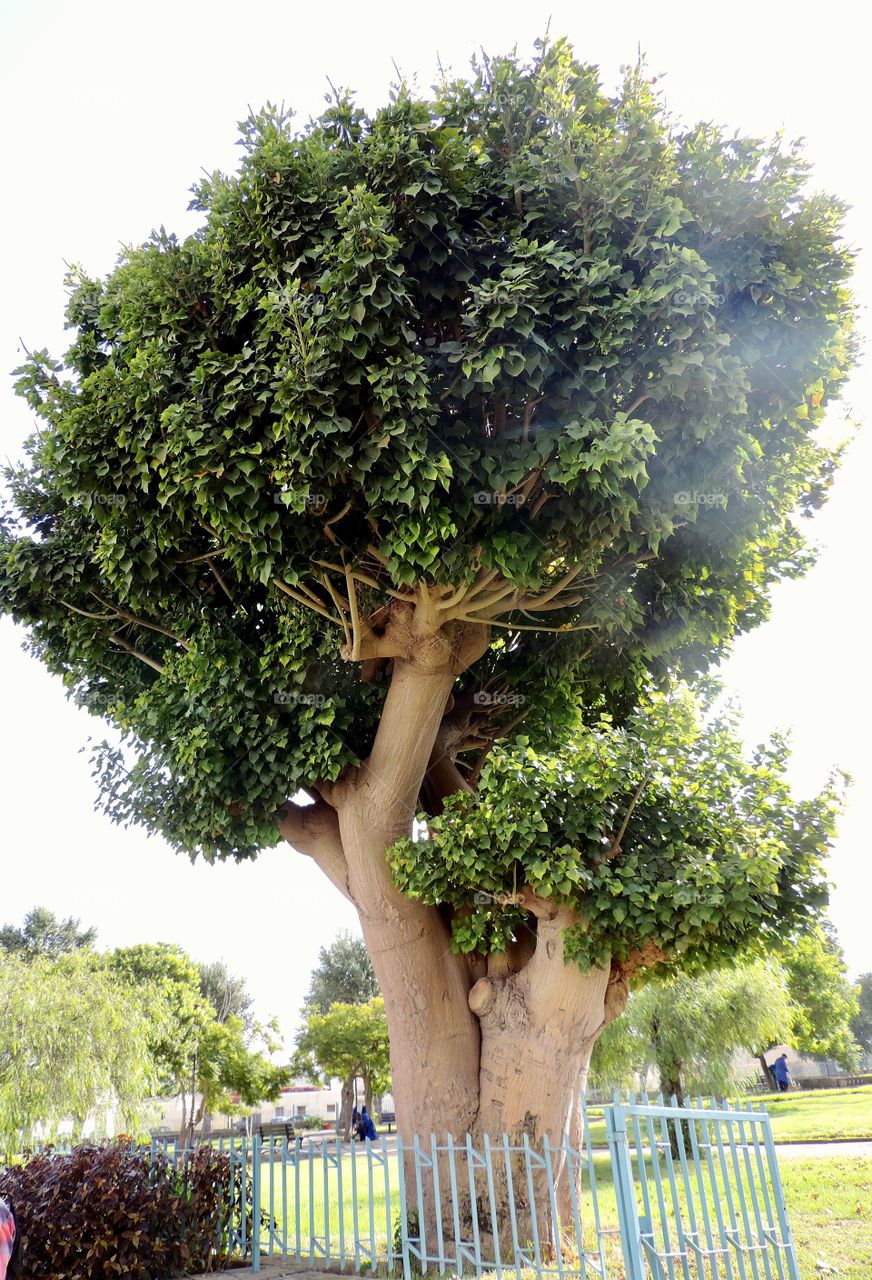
202,1054
861,1023
494,404
824,1001
43,934
73,1044
689,1028
227,994
348,1041
343,975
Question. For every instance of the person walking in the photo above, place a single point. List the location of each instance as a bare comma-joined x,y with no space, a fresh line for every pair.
781,1074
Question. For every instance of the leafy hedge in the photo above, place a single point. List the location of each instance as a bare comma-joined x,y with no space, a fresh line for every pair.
114,1210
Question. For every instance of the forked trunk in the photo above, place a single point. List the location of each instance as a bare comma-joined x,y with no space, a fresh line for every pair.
494,1048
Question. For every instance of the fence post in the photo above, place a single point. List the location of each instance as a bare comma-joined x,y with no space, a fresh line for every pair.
628,1211
255,1202
404,1220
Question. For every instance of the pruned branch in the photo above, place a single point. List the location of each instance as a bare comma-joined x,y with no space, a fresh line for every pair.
309,603
314,830
137,653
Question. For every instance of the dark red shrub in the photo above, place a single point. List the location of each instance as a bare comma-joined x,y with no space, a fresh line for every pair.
112,1211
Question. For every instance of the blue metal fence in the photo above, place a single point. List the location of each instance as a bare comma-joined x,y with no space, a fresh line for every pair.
655,1191
699,1193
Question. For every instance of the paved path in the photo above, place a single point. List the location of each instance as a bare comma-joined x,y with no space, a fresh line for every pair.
823,1150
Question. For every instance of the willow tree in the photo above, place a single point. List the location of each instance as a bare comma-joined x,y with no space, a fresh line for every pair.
494,405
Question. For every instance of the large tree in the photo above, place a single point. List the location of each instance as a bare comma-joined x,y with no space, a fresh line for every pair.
861,1023
203,1053
43,934
73,1045
228,995
689,1028
347,1041
824,1001
343,975
490,406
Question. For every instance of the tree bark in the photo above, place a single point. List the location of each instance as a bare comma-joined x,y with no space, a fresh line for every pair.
345,1108
483,1048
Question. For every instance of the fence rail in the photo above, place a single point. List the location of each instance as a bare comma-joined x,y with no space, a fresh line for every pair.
653,1191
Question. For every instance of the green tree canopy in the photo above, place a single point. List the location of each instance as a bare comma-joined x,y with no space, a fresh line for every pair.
74,1042
690,1027
228,995
343,975
43,934
347,1041
662,834
540,349
497,403
861,1023
203,1053
824,1001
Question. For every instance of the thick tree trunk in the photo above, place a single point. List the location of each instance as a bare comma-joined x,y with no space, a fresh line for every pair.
434,1036
483,1047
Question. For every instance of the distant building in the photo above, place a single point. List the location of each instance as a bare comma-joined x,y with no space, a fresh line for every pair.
299,1101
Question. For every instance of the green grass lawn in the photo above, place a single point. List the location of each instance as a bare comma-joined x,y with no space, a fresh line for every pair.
820,1113
830,1206
802,1117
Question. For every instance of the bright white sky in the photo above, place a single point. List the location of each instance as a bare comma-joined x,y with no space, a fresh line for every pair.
112,109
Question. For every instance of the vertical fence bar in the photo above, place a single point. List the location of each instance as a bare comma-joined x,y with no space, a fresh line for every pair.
642,1167
628,1212
473,1203
741,1197
661,1200
455,1206
673,1190
437,1203
780,1203
368,1149
325,1161
243,1189
404,1217
311,1161
728,1196
340,1199
531,1192
255,1203
703,1202
771,1223
594,1192
492,1203
419,1187
552,1201
354,1207
685,1176
298,1160
389,1226
755,1200
573,1200
284,1195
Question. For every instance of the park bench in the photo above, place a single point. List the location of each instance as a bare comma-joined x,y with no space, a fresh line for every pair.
277,1129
